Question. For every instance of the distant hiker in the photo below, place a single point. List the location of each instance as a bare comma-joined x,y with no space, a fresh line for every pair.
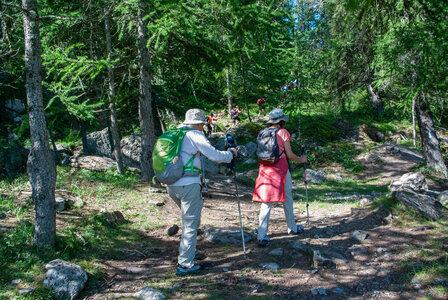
211,124
284,91
260,103
235,115
186,192
229,142
274,183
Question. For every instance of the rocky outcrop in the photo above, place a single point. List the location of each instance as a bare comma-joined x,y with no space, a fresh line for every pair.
65,279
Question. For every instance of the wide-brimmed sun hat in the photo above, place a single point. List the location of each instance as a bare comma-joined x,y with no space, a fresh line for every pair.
276,115
195,116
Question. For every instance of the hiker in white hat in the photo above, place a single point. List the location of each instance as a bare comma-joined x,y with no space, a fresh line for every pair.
186,192
274,183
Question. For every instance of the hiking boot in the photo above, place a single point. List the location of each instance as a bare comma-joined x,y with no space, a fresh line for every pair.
263,243
299,230
182,271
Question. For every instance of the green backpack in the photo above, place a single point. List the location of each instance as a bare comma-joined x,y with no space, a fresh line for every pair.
166,162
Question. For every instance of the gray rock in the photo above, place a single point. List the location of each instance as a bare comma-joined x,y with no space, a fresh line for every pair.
148,293
315,176
355,251
225,235
16,107
16,281
210,166
172,230
373,158
322,291
131,150
337,290
270,266
251,148
335,177
304,248
59,204
440,281
412,181
26,291
65,279
443,198
276,252
113,219
99,143
320,260
359,235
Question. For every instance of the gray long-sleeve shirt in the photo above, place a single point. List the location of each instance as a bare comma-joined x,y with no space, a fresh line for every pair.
193,143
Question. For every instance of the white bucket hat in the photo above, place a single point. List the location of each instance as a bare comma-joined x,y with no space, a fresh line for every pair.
276,115
195,116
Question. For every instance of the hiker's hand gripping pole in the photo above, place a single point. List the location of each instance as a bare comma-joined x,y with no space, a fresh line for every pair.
306,194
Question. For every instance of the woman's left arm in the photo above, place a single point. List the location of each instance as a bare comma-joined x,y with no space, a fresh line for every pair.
291,154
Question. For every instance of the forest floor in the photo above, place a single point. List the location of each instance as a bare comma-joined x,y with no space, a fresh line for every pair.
399,259
393,262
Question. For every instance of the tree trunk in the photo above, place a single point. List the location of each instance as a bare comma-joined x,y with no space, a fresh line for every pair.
113,112
428,134
229,96
414,129
41,166
376,100
145,100
243,74
82,130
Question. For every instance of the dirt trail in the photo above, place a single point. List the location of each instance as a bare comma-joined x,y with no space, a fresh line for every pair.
372,269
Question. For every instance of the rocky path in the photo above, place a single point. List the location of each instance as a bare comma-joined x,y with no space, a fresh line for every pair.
349,253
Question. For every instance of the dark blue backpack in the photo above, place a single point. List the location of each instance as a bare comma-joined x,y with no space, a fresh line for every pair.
267,147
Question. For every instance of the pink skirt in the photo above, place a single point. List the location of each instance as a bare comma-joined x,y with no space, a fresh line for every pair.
270,183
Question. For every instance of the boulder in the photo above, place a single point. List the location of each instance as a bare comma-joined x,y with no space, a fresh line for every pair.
373,158
373,133
131,149
13,157
95,163
270,266
148,293
315,176
209,166
99,143
410,181
443,198
14,108
114,218
65,279
423,204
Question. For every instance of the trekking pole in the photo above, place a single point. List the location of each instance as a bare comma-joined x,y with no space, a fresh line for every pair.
239,207
306,195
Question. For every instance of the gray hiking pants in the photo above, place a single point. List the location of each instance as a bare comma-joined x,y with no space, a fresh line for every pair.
265,212
189,199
